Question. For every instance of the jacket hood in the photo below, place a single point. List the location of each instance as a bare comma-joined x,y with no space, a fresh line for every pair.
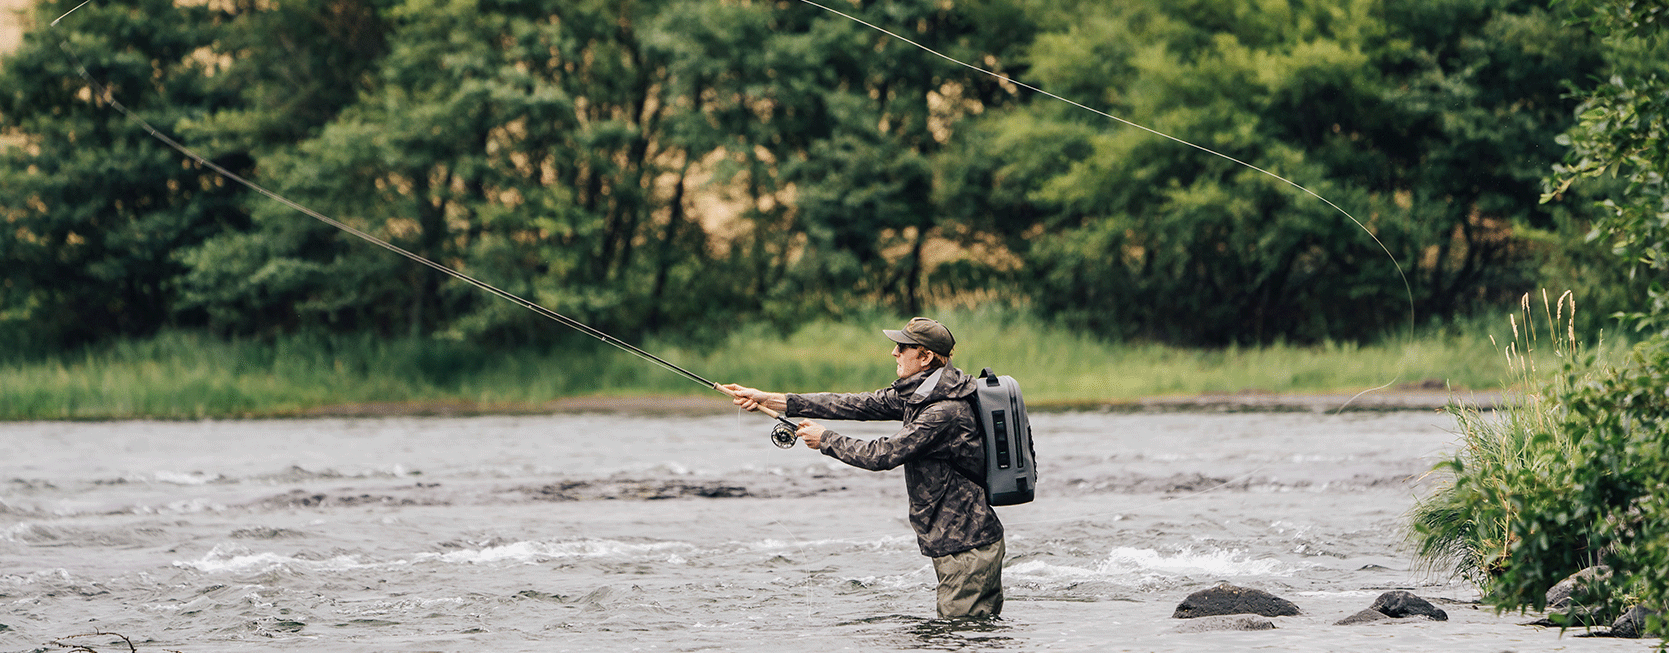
950,383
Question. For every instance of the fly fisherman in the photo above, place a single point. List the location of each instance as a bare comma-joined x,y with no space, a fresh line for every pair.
942,453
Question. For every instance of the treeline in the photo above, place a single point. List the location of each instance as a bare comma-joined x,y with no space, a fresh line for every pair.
678,167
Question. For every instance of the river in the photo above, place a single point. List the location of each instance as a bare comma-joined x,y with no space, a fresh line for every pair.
690,532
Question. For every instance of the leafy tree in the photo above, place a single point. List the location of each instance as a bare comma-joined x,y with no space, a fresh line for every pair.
93,211
1623,132
858,116
556,155
1585,483
1431,122
573,155
519,145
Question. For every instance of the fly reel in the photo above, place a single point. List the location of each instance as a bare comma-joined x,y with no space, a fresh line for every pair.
783,435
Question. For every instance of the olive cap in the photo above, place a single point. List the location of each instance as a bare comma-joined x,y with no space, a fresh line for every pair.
926,333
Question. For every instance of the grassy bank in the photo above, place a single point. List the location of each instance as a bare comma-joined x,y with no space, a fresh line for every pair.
180,375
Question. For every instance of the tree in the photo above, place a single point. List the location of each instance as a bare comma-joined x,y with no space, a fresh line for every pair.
555,155
1623,131
94,211
1431,122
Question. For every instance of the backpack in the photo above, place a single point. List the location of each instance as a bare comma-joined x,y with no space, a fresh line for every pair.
1010,458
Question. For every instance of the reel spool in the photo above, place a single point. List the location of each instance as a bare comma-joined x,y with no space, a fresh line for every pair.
783,435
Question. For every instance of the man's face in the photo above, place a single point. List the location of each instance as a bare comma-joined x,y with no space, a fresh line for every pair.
911,359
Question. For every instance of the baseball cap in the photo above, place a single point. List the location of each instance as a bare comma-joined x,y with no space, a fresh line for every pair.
926,333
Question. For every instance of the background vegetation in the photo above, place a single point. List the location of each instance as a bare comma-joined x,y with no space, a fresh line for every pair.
678,168
184,376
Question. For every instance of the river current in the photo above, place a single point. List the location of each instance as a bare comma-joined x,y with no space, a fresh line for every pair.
690,532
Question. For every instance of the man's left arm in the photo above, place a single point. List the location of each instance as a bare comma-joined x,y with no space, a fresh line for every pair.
882,453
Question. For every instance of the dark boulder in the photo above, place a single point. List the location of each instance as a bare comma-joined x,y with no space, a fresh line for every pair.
1559,596
1632,624
1225,622
1398,603
1229,599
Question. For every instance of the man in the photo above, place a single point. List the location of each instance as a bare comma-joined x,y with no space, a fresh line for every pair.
942,453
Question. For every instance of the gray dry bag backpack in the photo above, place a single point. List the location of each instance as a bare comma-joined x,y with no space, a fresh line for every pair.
1010,461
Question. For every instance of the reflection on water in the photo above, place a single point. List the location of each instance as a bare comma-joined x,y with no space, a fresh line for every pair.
979,633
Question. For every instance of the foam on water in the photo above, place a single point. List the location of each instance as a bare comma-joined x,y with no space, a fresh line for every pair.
1136,566
873,543
536,552
230,558
185,478
1187,562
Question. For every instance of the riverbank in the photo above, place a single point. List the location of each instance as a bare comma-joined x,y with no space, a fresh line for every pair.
181,375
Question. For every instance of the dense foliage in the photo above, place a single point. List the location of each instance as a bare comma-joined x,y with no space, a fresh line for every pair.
1576,471
1615,505
683,166
1431,122
1603,499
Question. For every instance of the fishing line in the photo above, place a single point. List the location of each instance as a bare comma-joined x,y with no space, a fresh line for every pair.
104,93
1407,288
805,589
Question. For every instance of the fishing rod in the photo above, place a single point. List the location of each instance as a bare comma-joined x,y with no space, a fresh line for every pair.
783,433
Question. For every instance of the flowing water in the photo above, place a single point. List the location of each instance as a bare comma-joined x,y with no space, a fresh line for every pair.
608,532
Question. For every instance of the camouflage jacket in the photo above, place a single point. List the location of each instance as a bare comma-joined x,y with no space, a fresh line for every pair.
947,510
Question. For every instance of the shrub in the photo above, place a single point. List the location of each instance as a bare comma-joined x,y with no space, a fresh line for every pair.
1571,471
1466,524
1612,488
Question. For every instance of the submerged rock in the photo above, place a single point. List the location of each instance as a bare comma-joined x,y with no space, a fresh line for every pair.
1225,599
1363,617
1399,603
1225,622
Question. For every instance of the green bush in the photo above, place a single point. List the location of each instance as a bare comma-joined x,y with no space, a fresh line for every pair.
1571,471
1466,525
1612,489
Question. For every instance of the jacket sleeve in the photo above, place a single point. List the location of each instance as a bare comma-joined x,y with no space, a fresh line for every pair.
920,435
883,404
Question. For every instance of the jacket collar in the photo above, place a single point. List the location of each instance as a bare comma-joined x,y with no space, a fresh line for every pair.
933,385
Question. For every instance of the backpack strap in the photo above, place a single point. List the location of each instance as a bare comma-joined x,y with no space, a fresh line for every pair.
977,480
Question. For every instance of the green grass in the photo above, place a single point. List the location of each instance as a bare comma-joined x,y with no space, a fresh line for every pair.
183,375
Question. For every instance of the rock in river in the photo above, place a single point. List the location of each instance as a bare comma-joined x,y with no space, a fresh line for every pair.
1229,599
1398,603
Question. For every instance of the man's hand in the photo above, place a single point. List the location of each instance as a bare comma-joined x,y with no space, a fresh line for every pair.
753,399
812,433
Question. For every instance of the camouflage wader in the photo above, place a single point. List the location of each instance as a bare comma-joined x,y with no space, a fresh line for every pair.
971,582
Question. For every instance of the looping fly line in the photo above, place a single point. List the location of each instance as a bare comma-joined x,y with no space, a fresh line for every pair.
1404,276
